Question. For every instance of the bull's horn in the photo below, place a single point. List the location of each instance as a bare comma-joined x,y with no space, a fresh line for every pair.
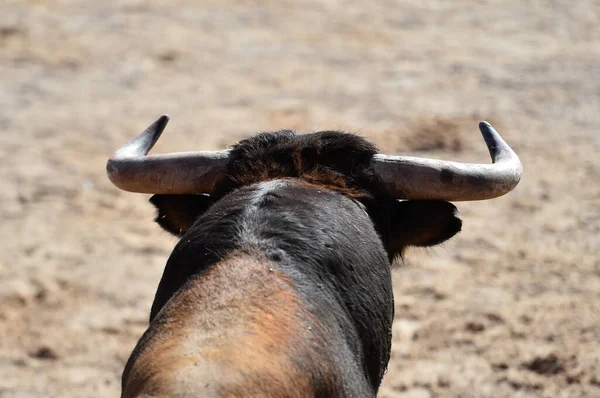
418,178
176,173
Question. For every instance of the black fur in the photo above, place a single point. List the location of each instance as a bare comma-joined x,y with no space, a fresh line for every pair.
312,204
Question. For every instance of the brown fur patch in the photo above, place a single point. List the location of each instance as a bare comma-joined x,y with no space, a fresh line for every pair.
234,341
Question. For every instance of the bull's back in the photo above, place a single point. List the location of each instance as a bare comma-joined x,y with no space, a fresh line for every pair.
240,330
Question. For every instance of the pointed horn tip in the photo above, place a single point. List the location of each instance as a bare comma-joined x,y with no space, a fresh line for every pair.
491,137
154,131
485,127
161,122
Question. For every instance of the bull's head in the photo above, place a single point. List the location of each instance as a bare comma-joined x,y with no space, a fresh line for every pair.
177,179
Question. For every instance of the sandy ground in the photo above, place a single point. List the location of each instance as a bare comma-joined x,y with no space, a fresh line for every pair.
509,308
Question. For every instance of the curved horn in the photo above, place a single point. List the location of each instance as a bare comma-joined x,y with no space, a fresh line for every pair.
418,178
130,169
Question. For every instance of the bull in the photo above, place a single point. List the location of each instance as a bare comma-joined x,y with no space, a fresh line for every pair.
280,284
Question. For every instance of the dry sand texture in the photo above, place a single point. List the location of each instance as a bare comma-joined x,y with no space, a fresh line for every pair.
509,308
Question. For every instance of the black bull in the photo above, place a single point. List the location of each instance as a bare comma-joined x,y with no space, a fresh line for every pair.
280,285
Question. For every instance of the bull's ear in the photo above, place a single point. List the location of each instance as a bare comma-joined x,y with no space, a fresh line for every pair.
422,223
177,213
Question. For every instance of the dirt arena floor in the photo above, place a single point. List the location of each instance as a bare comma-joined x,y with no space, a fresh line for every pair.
508,308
